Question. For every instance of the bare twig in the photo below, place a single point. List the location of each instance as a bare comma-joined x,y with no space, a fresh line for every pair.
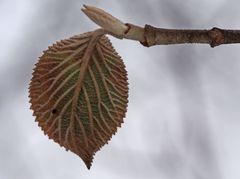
149,35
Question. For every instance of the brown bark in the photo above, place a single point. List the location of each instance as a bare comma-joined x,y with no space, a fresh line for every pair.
213,37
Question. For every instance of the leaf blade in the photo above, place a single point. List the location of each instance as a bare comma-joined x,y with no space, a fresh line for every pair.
79,93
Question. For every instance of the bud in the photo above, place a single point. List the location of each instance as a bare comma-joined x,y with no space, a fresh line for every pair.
105,20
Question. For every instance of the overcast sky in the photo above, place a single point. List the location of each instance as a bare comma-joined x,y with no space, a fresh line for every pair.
183,117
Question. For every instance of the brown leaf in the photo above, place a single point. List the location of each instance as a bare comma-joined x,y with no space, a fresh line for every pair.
79,93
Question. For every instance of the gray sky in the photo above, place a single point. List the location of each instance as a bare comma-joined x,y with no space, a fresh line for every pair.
183,117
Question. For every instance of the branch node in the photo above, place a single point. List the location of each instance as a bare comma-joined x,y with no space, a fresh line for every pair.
216,36
149,36
128,28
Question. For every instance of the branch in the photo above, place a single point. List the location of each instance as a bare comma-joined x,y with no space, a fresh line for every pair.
149,35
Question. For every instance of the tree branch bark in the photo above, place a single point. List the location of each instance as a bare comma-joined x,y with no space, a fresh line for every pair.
150,36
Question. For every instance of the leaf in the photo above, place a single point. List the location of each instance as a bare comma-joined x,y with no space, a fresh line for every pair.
79,93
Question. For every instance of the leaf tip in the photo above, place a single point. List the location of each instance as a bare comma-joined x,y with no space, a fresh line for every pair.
88,162
88,165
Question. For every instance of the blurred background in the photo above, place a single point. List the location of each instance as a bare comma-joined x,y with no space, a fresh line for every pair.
183,117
